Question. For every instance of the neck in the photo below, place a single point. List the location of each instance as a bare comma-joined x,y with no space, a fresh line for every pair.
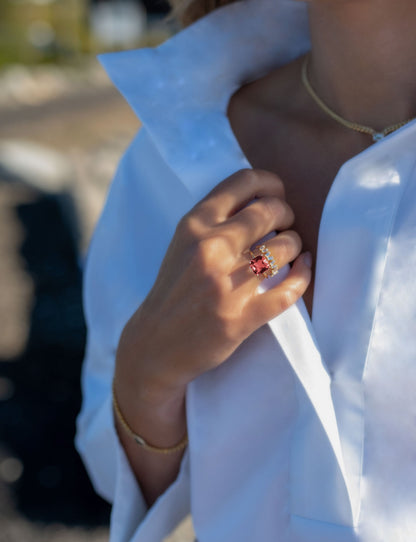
363,58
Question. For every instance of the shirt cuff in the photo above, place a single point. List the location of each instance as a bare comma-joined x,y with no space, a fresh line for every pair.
132,520
113,478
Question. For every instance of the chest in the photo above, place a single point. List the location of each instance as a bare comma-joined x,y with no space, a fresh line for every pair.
307,184
307,160
364,325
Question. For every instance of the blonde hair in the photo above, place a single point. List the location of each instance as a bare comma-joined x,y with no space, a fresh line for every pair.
188,11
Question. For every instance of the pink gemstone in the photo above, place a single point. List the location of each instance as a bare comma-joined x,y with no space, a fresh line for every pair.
259,264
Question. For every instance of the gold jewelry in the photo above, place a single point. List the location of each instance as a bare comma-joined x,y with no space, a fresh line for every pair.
377,136
263,264
140,440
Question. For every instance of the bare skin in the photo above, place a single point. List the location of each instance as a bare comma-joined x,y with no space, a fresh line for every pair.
355,43
203,305
277,109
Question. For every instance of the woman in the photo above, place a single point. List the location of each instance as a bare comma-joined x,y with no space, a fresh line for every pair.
300,408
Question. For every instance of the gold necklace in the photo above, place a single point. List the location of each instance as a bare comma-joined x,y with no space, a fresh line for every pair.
376,135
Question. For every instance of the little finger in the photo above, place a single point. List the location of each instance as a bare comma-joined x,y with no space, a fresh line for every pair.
266,306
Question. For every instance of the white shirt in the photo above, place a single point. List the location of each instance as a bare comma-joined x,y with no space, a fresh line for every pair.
308,432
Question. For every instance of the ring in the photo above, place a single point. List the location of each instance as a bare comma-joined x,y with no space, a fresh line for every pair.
263,264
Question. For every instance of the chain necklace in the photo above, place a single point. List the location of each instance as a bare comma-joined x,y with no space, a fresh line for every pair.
376,135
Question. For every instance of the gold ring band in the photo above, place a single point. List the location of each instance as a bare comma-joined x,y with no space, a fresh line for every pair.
263,264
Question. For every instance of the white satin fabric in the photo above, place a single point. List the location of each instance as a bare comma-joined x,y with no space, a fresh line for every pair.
308,432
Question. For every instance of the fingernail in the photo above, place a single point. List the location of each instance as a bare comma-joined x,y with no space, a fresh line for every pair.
307,258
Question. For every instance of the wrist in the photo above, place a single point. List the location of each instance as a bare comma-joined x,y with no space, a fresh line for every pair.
144,378
121,422
142,396
152,410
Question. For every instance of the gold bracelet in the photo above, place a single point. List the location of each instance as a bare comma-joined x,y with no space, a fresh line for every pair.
140,440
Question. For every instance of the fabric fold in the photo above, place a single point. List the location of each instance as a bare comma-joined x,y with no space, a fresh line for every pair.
181,89
355,231
316,448
325,431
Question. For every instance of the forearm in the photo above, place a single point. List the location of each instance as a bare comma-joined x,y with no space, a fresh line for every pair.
161,421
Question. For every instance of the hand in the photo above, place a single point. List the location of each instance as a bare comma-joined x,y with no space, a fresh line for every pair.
205,302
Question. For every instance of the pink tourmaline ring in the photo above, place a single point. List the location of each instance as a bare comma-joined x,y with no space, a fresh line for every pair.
264,263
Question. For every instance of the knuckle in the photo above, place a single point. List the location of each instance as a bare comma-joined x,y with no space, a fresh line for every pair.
281,187
205,210
285,249
293,291
287,299
207,253
286,217
257,178
296,238
207,247
249,176
272,207
290,215
188,226
290,244
273,179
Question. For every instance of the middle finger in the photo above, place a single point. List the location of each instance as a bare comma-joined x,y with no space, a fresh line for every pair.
256,221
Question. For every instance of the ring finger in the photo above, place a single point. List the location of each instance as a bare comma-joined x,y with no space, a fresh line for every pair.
283,248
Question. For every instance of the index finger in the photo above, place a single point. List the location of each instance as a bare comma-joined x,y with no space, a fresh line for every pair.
236,191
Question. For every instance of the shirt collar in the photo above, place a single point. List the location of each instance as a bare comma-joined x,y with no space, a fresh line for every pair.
181,89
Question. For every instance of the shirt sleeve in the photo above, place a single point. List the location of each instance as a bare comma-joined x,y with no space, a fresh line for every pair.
114,286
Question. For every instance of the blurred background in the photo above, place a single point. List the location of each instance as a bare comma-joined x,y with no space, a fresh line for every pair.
63,129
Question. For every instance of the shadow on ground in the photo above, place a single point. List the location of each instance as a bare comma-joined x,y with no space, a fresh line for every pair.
37,421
